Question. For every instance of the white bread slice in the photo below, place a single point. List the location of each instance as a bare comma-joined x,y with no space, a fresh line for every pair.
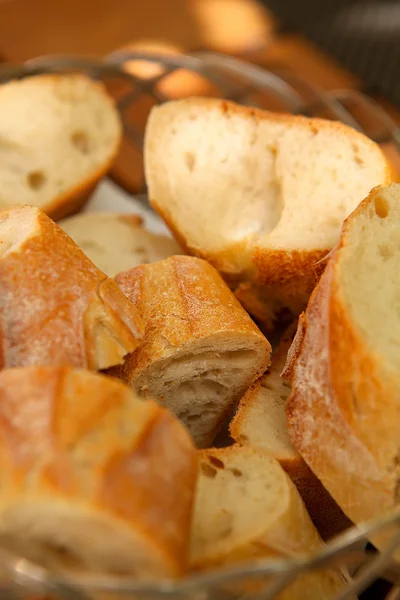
246,507
59,135
344,410
91,474
262,196
56,307
116,242
201,351
260,421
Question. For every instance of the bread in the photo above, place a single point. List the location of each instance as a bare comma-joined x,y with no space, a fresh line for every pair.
343,413
59,135
260,422
56,307
117,242
91,474
201,351
262,196
246,507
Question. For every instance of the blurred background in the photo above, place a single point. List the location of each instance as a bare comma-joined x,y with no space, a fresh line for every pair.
333,45
362,35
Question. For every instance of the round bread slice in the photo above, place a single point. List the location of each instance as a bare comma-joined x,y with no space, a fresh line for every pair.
59,135
93,478
115,242
246,507
262,196
344,410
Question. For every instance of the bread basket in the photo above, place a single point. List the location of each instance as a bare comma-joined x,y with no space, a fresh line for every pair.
233,79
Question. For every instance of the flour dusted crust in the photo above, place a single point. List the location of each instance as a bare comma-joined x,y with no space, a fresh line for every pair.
56,306
343,411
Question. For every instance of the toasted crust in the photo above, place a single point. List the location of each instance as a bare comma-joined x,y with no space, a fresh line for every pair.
74,200
188,311
332,367
200,305
295,349
120,464
270,282
57,307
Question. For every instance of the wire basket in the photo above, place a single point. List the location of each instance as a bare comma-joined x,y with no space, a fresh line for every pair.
276,90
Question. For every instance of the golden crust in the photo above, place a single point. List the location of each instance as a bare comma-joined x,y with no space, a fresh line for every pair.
198,306
326,515
130,472
57,307
74,200
273,285
351,447
295,349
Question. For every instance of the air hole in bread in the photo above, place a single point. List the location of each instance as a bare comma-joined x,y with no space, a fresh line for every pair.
267,386
192,417
216,461
64,556
36,180
381,207
80,140
286,384
386,251
236,472
283,396
208,470
190,160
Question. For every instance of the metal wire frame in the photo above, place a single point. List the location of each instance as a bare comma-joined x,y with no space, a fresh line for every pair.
236,80
18,573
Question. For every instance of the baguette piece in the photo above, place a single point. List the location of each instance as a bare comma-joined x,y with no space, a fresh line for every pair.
260,422
343,413
91,475
246,507
201,350
56,306
262,196
116,242
59,135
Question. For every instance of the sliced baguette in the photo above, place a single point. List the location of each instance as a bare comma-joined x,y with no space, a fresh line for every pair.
246,507
91,475
262,196
56,307
260,422
201,350
117,242
344,410
59,135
